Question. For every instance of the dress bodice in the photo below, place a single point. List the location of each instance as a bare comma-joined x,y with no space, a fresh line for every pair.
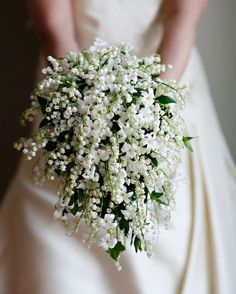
132,21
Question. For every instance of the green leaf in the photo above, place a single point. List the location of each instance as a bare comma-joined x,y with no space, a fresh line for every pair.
124,225
187,143
66,83
105,203
43,104
139,90
163,99
80,194
155,75
146,191
116,250
156,197
153,160
43,123
161,202
135,97
122,222
104,62
73,199
137,244
75,209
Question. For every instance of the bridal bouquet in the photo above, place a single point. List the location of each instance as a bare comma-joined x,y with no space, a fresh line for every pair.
112,132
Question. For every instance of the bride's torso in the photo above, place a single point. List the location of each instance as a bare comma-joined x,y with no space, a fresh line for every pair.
136,22
132,21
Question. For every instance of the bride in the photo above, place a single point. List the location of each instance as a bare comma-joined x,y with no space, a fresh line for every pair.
198,254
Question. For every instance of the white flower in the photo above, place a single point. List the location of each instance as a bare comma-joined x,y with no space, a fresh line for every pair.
108,242
103,154
108,219
110,140
130,211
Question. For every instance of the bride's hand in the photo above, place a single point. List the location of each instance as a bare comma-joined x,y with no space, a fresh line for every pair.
179,19
53,20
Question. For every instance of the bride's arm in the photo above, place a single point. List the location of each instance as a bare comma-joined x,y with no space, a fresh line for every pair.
179,19
53,20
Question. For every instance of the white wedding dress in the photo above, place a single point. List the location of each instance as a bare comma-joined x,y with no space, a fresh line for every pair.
197,256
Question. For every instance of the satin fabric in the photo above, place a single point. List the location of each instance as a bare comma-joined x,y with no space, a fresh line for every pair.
196,256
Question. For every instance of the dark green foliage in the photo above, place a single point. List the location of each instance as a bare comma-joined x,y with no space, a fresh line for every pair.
51,145
124,225
67,83
187,143
61,137
146,191
78,195
115,127
153,160
155,75
104,62
43,123
116,250
81,83
58,172
163,99
43,104
105,141
156,197
105,204
137,244
131,188
122,222
135,97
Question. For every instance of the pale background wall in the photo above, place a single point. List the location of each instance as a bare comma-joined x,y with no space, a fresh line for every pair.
18,55
217,43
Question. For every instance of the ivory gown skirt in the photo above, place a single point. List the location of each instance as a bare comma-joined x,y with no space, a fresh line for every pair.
196,256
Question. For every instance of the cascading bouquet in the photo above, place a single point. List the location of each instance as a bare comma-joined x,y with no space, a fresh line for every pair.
113,134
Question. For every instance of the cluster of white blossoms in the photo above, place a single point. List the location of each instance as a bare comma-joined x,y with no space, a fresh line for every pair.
112,132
